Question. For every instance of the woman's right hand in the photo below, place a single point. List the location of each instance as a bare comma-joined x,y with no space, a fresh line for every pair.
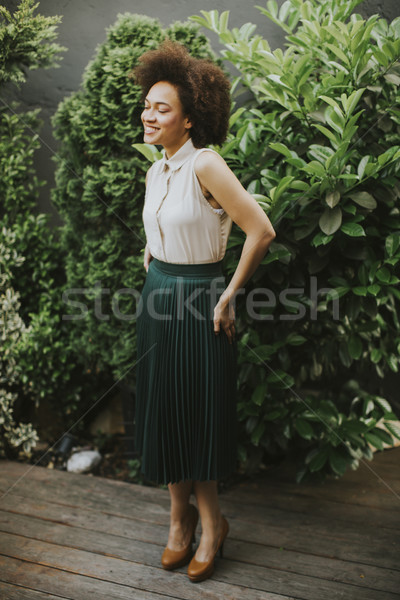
147,258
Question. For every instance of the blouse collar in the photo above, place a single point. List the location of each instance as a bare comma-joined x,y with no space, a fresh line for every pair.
180,156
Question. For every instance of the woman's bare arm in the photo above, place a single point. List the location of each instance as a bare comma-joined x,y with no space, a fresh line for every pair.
215,175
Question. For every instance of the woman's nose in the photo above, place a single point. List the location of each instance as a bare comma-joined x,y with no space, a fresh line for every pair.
149,115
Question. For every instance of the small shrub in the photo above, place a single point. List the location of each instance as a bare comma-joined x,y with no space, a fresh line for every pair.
26,42
14,433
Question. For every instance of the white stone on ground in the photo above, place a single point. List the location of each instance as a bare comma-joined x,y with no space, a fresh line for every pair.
81,462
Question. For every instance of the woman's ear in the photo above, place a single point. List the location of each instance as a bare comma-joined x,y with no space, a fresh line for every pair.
188,123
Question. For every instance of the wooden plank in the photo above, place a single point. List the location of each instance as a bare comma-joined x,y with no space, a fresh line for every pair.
389,456
273,531
330,509
373,492
92,490
273,527
63,584
156,509
86,487
141,577
278,476
231,579
125,545
10,591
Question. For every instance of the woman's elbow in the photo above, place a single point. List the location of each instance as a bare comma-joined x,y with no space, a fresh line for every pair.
262,236
269,235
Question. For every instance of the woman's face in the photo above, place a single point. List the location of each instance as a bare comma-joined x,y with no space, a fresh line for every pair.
163,118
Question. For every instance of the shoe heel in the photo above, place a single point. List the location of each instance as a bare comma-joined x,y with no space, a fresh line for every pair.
221,550
194,538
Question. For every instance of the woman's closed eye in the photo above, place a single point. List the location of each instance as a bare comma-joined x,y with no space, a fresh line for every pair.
159,110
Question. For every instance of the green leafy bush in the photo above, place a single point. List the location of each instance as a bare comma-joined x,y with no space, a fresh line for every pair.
14,433
100,190
26,42
44,366
318,147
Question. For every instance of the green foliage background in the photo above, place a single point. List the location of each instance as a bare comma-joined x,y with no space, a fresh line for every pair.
36,362
318,147
47,384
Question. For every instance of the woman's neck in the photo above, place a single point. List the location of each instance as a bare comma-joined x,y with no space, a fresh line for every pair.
171,150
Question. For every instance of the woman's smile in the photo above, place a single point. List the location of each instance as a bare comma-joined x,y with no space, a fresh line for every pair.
148,129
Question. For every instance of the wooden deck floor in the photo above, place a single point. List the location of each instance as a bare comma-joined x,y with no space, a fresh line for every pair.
82,537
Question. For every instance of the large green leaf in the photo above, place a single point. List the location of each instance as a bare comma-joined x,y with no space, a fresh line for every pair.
331,220
332,198
304,428
353,229
394,429
316,459
258,433
392,243
338,461
259,394
374,440
149,151
364,199
355,346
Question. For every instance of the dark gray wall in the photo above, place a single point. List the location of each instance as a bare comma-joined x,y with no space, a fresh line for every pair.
83,28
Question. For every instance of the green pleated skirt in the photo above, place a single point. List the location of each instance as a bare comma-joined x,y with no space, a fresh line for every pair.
185,412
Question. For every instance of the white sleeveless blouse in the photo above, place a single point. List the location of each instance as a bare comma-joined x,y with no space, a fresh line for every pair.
180,224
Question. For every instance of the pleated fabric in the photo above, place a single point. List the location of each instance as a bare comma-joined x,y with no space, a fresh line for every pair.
185,414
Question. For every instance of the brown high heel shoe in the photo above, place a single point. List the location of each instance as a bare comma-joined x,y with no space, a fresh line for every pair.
198,571
172,559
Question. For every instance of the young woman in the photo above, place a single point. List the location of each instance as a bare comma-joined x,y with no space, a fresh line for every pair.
185,425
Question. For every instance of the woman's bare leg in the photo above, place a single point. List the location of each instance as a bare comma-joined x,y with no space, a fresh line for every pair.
180,525
206,493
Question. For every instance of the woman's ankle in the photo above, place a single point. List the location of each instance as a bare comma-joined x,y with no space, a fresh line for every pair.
180,515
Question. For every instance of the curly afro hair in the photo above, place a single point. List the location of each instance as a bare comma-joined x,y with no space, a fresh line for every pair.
203,89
